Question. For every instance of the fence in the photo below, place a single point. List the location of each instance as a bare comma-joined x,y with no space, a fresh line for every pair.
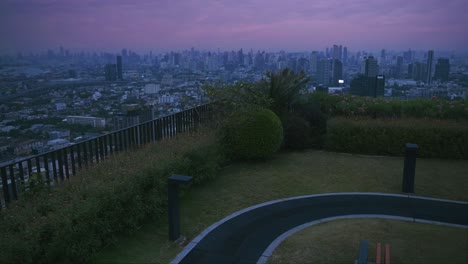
54,167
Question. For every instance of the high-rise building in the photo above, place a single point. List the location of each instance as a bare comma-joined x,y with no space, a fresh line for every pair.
345,55
313,61
442,69
399,67
119,68
337,71
336,55
292,64
370,83
111,72
240,57
430,58
408,56
417,71
359,86
368,86
324,71
379,87
371,67
383,56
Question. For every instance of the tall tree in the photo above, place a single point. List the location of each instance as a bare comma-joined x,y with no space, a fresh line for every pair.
284,88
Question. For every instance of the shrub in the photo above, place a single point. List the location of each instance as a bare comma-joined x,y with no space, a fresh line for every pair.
202,163
68,223
311,110
436,138
253,134
297,133
357,106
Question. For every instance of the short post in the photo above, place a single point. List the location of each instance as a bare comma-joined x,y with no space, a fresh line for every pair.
363,252
411,151
173,204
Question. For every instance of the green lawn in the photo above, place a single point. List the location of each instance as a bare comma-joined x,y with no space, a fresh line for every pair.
288,174
338,242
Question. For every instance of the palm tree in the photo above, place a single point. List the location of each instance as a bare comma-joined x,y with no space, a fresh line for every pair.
284,89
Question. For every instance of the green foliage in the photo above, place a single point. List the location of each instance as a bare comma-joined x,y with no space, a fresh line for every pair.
251,135
237,96
297,133
284,88
67,224
436,138
310,110
356,106
279,91
202,163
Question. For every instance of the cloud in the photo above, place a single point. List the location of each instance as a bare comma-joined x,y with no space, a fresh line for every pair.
113,23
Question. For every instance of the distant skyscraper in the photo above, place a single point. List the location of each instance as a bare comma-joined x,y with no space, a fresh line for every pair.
111,73
292,64
345,55
408,56
337,71
336,52
371,67
324,72
399,67
383,56
119,68
417,71
442,69
313,61
240,57
430,58
368,86
379,87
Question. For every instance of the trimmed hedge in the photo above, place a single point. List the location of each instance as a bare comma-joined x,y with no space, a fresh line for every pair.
358,106
297,133
436,138
67,224
253,134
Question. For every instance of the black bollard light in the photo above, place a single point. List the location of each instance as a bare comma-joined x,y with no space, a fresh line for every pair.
411,151
173,204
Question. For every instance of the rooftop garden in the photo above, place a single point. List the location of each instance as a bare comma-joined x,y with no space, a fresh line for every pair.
268,140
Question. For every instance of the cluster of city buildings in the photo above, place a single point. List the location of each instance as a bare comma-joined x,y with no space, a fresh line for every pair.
55,98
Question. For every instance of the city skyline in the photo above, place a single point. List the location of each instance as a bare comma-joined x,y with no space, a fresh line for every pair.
171,25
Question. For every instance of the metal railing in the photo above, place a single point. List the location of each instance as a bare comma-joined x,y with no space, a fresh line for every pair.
53,167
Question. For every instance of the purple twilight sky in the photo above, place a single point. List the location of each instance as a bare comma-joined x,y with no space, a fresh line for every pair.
144,25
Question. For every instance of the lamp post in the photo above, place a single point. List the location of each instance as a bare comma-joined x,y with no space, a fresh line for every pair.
411,151
173,204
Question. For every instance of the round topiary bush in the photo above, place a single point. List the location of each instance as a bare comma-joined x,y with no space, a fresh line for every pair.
252,134
296,133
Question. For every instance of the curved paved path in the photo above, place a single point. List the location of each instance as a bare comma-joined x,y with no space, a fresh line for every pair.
250,235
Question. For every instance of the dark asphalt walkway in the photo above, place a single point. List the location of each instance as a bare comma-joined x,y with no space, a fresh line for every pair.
244,237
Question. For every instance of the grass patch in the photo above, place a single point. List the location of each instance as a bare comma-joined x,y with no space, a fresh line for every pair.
338,242
286,175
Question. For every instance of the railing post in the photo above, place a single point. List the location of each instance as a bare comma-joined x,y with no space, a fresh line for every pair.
409,169
173,204
14,190
60,164
78,157
38,171
54,167
6,192
46,167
